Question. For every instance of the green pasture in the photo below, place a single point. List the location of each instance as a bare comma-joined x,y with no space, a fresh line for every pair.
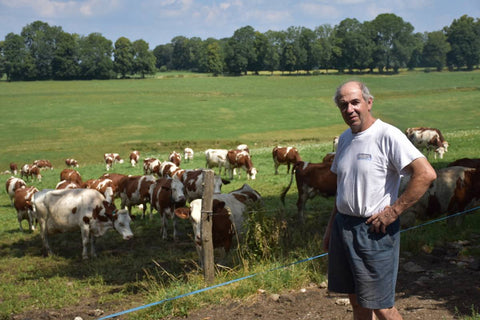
85,119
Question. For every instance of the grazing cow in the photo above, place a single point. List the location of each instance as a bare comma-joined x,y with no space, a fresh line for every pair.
134,157
30,171
151,166
70,162
286,156
216,158
23,205
243,147
65,184
175,157
85,209
335,143
71,175
188,154
167,169
166,194
240,159
13,184
429,139
435,201
466,193
465,162
105,186
13,168
110,159
134,190
43,164
194,186
312,179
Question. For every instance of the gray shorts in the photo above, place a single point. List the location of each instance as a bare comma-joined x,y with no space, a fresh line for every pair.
363,262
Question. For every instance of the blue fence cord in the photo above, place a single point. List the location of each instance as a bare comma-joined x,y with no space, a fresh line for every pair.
263,272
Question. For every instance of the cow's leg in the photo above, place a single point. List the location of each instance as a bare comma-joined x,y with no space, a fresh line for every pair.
164,224
288,167
93,252
43,235
31,220
19,217
276,167
174,224
85,240
302,199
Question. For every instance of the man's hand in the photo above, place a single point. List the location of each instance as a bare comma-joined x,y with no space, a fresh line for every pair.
380,221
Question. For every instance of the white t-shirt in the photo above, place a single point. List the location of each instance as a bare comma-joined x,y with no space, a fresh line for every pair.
369,166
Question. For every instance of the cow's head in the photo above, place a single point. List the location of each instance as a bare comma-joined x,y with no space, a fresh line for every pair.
121,223
440,151
252,172
178,193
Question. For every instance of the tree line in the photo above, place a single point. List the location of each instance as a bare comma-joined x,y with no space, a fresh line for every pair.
385,44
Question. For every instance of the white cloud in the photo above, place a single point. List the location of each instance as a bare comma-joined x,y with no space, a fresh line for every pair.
320,10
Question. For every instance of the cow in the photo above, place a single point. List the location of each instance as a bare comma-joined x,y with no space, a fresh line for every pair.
43,164
335,143
175,157
116,178
188,154
243,147
312,179
228,212
23,205
193,181
167,169
465,162
13,168
70,162
329,157
216,158
429,139
65,184
71,175
466,193
240,159
105,186
13,184
151,166
110,159
166,195
134,190
134,157
61,211
435,201
32,171
285,156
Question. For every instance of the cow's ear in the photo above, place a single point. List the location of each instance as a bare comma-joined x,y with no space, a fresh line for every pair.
183,212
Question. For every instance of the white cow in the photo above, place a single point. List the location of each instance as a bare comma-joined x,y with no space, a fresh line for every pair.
216,158
188,154
72,209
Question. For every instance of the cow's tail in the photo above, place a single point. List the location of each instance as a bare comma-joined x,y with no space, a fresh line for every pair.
284,192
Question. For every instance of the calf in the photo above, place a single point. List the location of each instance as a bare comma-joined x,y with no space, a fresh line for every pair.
175,157
188,154
134,190
13,184
23,205
216,158
85,209
240,159
43,164
71,175
429,139
151,166
13,168
166,194
71,162
285,156
312,179
194,185
134,157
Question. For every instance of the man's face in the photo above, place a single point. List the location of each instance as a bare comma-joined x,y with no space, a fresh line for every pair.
355,110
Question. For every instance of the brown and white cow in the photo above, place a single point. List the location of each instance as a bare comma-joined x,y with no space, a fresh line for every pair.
151,166
64,184
61,211
13,184
216,158
175,157
116,178
31,171
167,169
23,205
134,190
240,159
166,195
312,179
188,154
43,164
13,168
71,175
243,147
134,157
70,162
429,139
110,159
285,156
105,186
194,184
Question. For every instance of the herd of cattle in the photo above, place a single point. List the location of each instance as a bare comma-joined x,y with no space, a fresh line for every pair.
89,205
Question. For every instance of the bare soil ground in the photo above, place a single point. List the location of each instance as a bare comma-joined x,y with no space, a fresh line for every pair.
441,284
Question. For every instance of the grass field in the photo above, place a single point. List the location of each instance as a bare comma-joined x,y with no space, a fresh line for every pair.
84,119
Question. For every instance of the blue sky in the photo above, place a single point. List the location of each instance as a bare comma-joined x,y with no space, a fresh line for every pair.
158,21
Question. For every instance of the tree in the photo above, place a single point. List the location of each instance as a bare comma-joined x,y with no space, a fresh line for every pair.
272,56
96,57
163,54
435,50
464,38
240,55
354,46
143,58
325,43
214,63
181,53
309,45
123,57
65,63
18,64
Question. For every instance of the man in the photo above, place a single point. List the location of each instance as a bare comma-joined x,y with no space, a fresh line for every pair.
362,235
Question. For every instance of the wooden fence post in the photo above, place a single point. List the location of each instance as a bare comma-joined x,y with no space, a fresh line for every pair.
206,233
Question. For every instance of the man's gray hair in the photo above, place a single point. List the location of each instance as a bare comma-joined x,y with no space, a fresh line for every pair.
365,91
